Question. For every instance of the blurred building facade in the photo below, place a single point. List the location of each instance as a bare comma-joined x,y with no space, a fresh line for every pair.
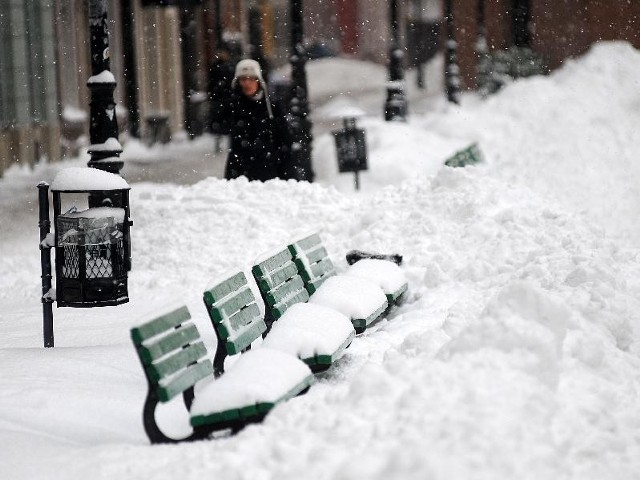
161,52
555,30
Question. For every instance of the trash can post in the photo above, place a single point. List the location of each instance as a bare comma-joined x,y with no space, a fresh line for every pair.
45,262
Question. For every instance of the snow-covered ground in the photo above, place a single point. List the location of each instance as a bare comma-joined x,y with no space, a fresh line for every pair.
515,355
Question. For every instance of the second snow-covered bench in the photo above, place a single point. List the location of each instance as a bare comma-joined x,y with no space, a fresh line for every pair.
317,336
315,333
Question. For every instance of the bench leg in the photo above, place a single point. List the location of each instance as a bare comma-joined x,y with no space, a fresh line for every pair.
151,426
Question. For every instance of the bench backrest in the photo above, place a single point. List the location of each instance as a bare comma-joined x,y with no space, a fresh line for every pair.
171,352
313,261
234,313
280,284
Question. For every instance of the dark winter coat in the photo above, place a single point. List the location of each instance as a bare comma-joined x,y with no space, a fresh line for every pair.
220,76
260,145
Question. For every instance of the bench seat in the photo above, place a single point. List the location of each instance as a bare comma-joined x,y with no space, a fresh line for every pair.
363,296
258,381
317,335
387,275
314,333
360,300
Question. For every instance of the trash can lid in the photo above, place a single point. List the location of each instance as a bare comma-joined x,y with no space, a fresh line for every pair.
86,179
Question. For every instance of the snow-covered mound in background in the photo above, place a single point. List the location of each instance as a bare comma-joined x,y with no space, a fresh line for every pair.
571,136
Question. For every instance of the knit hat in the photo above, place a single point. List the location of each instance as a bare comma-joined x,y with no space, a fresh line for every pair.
251,68
248,68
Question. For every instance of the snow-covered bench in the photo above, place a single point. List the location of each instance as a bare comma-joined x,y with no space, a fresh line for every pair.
342,291
316,335
175,361
282,286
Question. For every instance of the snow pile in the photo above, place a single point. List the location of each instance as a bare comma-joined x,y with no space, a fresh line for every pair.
516,353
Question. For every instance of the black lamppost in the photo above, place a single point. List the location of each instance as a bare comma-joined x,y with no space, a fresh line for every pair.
452,71
105,149
217,20
395,108
482,54
299,105
255,38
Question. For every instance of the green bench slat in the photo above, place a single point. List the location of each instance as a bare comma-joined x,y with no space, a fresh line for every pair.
266,266
317,255
320,269
239,320
178,338
287,289
360,324
159,325
393,297
467,156
278,276
226,287
246,337
328,359
249,412
306,243
185,379
173,364
279,309
236,316
228,307
313,285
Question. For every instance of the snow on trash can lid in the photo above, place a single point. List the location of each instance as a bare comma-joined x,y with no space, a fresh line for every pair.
86,179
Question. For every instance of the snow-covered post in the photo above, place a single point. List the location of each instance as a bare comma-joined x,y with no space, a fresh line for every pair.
395,108
105,149
299,106
452,70
46,243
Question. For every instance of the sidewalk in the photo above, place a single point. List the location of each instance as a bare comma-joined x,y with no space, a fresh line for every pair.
184,161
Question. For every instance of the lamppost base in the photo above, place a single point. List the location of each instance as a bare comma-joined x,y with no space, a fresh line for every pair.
395,108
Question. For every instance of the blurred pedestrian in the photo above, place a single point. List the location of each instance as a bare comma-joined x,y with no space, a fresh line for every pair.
260,137
220,77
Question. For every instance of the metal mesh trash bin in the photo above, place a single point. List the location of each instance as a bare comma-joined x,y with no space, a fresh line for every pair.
92,245
93,267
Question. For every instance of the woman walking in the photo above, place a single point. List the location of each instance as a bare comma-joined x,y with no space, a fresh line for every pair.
260,137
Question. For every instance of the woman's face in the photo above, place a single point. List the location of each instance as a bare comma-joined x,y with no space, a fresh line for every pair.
249,85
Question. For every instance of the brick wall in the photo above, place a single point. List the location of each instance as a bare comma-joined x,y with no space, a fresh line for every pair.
560,29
